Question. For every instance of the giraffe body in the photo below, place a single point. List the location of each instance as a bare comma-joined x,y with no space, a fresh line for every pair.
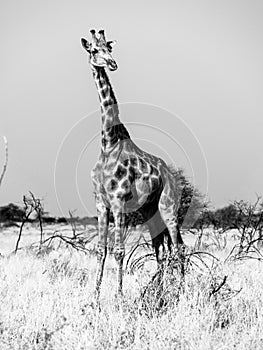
126,178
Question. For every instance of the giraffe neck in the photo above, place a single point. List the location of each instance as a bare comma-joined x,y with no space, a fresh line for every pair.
113,130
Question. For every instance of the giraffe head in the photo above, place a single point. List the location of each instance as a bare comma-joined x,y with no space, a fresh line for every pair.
100,50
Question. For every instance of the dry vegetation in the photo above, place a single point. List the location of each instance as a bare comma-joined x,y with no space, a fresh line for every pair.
46,300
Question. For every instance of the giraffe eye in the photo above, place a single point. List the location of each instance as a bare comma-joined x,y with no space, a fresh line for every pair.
109,48
94,51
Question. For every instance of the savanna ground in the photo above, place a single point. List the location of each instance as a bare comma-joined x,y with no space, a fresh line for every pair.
46,300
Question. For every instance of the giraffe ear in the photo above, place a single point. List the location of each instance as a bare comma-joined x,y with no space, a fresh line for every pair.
85,44
110,44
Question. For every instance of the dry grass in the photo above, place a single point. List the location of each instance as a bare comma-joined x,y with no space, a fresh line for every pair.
45,304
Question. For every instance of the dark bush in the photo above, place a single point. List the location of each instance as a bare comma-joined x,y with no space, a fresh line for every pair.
11,213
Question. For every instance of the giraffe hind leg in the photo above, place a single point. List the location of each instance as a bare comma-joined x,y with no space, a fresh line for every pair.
168,211
157,228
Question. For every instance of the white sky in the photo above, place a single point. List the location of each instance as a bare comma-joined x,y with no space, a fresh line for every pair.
200,60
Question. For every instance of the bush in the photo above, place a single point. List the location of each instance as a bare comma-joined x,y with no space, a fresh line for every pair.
11,212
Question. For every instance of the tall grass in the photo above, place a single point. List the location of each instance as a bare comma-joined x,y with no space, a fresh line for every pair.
45,303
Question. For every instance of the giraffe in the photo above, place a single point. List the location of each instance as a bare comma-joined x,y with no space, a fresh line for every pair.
125,177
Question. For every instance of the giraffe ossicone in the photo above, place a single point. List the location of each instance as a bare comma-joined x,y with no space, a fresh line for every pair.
125,177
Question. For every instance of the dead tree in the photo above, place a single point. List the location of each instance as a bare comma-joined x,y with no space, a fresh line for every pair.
28,210
6,161
249,224
32,205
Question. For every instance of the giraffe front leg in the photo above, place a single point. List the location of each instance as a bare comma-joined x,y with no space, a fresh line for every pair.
119,249
103,222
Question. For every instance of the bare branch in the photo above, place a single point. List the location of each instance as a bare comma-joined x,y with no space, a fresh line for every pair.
31,205
6,161
72,222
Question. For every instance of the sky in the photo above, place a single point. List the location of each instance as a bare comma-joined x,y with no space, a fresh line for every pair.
189,84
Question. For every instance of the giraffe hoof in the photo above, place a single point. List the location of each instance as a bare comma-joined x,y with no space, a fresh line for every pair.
119,253
101,251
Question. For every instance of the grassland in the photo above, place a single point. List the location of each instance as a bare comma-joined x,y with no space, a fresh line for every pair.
46,303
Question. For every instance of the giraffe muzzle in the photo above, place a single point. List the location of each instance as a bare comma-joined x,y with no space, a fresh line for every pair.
112,65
